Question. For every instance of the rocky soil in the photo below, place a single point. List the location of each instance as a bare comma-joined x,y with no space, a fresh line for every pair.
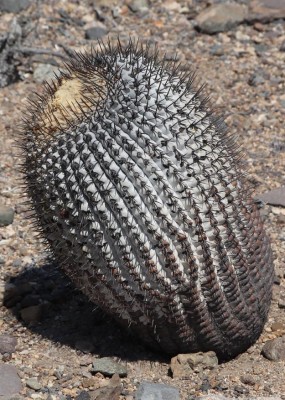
54,344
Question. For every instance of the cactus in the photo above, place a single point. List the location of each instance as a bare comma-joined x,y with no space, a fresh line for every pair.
140,194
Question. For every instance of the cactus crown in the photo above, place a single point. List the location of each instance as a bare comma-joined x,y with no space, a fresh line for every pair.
138,190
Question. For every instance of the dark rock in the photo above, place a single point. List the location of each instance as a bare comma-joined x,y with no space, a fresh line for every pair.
10,383
183,365
275,197
274,350
96,32
240,390
83,396
108,367
13,293
156,391
282,47
30,300
31,314
6,215
281,303
255,80
84,345
266,10
14,6
221,17
277,280
7,344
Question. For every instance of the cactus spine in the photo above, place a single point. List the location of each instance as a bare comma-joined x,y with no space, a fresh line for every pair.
139,192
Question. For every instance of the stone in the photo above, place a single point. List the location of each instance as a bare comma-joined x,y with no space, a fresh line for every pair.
108,367
10,383
95,32
266,10
13,6
248,380
83,396
277,326
214,397
138,5
7,344
44,72
183,365
275,197
31,314
110,392
274,350
238,390
281,302
156,391
221,17
282,47
34,384
256,80
6,215
85,345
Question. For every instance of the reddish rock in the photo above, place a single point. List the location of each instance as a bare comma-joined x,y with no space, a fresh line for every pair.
184,365
266,10
274,350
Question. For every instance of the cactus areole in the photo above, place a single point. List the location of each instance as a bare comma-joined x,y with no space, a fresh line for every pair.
140,193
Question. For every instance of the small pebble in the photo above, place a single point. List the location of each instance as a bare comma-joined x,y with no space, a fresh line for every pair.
83,396
281,303
7,344
248,380
156,391
33,383
241,390
96,32
108,367
6,215
44,72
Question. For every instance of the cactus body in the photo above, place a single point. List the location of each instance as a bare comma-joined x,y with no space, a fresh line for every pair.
139,193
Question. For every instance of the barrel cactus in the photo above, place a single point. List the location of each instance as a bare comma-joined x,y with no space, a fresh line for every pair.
140,194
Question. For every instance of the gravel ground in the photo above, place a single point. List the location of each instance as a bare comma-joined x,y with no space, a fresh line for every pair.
59,334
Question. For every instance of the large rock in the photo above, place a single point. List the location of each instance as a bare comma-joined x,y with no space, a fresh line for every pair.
274,350
266,10
183,365
221,17
156,391
10,383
